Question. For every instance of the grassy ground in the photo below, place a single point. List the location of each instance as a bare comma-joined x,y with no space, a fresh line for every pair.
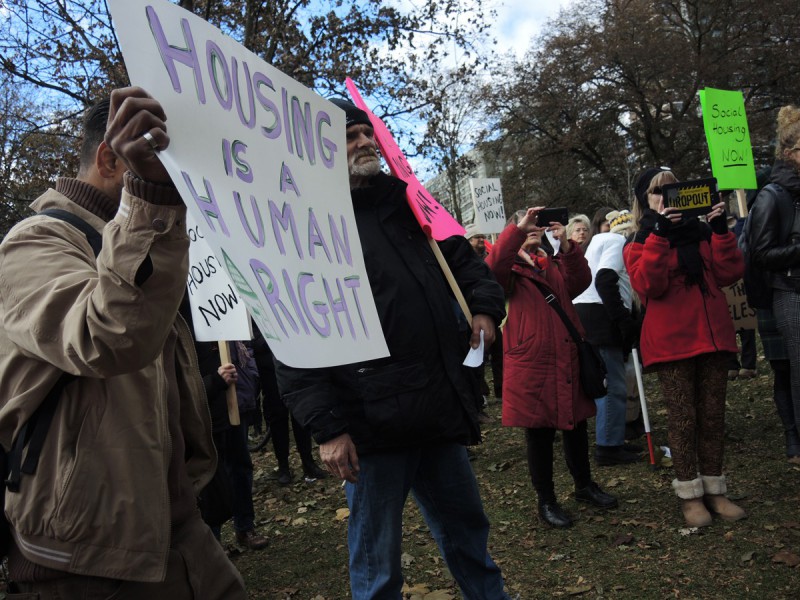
640,550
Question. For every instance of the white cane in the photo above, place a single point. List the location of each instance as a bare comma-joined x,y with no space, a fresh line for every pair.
640,384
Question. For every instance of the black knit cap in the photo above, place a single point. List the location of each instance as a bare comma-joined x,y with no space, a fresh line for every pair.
643,182
355,116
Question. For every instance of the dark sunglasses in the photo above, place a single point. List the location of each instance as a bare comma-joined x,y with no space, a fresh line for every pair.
656,191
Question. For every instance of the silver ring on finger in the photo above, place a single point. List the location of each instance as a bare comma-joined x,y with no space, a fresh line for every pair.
150,140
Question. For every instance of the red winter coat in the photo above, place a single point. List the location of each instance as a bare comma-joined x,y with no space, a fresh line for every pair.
680,321
541,386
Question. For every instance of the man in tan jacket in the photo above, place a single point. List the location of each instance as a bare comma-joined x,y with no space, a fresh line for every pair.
111,509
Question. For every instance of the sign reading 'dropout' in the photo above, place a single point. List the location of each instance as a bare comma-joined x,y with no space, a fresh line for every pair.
260,161
692,198
728,138
487,197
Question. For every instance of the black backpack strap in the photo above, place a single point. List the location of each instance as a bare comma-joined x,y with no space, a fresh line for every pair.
95,239
34,431
32,436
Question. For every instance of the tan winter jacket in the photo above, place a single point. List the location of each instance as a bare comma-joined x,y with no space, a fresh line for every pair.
98,504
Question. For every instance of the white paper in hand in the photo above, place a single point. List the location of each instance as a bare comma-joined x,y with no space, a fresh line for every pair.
475,355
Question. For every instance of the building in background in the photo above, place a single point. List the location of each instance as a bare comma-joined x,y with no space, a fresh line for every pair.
478,163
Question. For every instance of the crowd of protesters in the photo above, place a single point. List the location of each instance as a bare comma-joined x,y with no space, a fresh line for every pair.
158,433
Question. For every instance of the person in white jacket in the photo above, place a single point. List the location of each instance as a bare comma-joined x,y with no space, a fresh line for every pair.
605,311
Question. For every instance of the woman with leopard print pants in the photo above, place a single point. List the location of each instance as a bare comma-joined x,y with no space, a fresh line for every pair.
677,265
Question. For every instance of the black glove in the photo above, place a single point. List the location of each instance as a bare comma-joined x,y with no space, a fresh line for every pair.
663,225
629,329
719,224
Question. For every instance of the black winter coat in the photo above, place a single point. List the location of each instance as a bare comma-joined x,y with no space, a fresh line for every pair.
779,257
421,394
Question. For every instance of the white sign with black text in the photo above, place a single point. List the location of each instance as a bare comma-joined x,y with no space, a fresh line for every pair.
487,197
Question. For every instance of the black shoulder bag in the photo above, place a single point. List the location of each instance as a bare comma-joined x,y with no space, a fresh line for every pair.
592,368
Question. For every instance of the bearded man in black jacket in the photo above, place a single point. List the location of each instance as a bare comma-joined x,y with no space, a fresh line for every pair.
402,423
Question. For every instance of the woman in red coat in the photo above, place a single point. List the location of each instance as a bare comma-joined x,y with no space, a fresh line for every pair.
541,386
677,266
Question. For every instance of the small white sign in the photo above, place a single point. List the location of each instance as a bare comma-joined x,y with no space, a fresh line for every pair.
218,313
487,197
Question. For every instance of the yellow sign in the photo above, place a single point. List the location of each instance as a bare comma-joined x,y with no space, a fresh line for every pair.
693,198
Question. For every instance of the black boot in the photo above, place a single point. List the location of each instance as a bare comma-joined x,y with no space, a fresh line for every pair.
313,471
549,509
284,473
552,514
592,494
614,455
792,443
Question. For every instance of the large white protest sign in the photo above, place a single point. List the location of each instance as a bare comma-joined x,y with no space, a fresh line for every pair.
487,197
218,313
261,162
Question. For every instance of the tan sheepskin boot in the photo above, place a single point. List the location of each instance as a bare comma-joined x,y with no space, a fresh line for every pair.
714,489
691,494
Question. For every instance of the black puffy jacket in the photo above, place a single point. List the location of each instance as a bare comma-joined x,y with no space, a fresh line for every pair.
421,393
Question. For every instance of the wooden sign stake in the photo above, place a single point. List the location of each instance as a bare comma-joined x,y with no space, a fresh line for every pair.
230,394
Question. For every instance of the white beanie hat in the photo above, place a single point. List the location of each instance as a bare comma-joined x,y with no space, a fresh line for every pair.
471,231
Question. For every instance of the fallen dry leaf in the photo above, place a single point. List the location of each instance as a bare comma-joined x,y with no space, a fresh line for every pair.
439,595
419,589
288,591
787,558
622,540
342,514
501,466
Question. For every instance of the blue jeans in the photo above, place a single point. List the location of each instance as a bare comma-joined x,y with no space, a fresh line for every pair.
610,423
444,486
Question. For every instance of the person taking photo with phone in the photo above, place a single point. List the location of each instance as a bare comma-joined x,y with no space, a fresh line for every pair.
541,385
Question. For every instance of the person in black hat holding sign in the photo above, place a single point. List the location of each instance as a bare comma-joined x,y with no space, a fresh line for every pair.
400,424
677,265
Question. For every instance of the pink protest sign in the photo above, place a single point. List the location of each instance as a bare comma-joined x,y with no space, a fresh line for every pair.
435,221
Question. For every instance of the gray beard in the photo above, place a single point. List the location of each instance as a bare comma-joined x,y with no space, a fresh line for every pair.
365,169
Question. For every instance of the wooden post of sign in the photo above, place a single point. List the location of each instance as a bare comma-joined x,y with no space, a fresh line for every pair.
741,202
462,302
230,394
